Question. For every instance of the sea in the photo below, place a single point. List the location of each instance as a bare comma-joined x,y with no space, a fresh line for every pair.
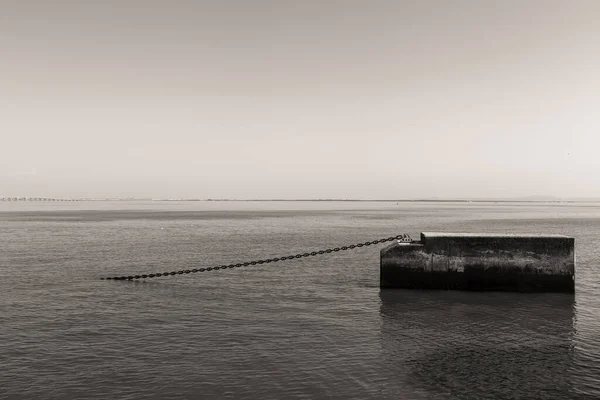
311,328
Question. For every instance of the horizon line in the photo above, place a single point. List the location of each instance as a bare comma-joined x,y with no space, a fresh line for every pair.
533,199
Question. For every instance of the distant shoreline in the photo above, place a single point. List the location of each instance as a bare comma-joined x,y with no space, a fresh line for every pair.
396,200
9,199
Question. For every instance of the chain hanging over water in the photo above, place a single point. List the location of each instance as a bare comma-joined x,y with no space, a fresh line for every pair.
402,238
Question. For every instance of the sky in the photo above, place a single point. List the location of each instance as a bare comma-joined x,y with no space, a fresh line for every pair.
299,99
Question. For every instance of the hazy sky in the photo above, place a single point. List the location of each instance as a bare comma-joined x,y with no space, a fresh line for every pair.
300,99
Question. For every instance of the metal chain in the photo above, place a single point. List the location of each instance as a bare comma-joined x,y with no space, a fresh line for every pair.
402,238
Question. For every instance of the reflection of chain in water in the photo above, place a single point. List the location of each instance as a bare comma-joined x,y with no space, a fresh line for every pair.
400,238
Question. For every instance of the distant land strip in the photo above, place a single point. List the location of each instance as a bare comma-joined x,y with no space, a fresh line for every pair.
434,200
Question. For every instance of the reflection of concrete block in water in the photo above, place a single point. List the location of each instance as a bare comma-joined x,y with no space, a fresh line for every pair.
527,263
480,345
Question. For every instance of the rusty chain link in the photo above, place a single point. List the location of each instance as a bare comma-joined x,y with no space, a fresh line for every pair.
402,238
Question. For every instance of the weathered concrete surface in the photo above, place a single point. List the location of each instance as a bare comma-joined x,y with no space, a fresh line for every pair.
465,261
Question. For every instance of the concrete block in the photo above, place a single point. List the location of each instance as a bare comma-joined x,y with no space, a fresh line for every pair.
481,261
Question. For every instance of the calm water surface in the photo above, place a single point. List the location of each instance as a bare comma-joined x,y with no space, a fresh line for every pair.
310,328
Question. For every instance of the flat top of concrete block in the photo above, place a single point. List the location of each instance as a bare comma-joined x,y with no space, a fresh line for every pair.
515,235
